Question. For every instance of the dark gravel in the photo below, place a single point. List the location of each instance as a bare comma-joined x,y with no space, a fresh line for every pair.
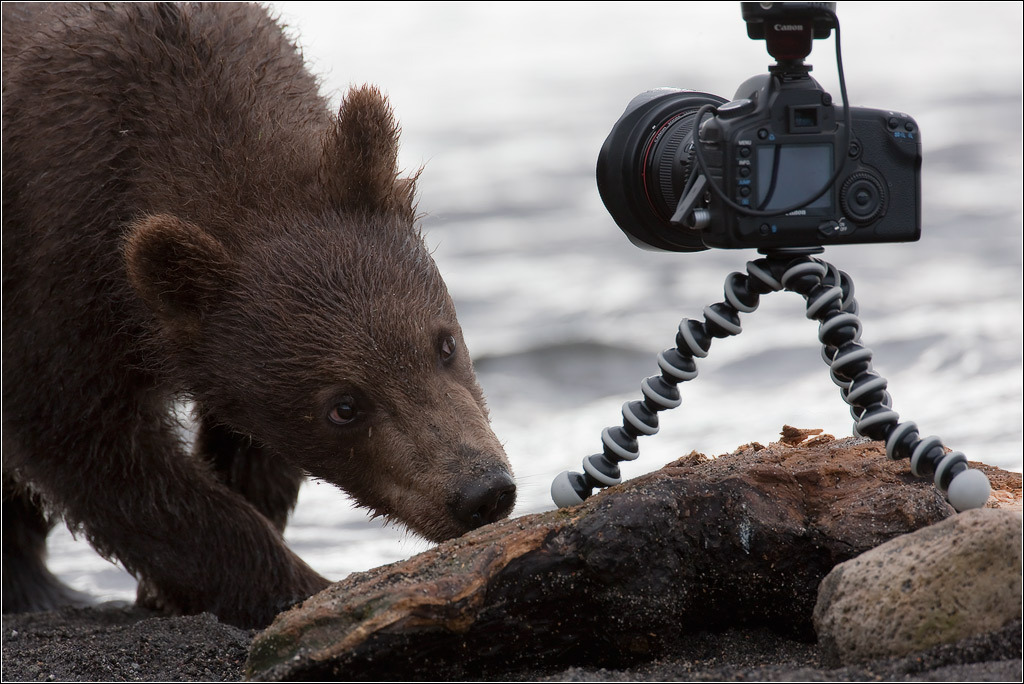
760,655
112,643
116,644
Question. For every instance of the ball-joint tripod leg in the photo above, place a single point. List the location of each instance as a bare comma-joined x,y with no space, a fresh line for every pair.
830,301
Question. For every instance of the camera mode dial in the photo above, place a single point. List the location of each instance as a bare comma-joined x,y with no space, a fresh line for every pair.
863,197
736,109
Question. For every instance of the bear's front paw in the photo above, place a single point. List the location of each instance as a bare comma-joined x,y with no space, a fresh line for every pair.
149,597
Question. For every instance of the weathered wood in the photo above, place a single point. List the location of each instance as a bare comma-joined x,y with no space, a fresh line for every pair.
742,539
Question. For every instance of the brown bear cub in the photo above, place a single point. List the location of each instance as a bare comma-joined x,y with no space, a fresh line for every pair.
184,218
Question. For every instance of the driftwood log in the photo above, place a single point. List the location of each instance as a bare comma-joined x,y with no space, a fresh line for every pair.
739,540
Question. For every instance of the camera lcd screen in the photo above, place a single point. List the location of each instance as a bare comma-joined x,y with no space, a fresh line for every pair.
799,172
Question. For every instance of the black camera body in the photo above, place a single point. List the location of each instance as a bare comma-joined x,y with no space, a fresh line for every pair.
779,166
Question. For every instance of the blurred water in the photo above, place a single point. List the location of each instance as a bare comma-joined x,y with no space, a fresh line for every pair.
506,105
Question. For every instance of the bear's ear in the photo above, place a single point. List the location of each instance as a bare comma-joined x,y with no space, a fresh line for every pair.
359,168
178,269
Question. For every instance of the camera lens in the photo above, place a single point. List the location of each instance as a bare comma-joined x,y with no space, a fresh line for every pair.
667,162
644,165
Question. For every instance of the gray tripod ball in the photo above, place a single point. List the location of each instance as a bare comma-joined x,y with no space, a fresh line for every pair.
969,489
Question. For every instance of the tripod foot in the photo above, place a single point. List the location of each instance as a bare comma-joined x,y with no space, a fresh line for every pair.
563,491
969,489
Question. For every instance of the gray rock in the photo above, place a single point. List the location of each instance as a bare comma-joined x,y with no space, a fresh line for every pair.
955,579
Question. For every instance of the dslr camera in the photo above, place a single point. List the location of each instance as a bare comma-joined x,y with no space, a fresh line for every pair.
780,166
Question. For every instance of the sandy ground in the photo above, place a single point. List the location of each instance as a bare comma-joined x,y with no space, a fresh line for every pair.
114,643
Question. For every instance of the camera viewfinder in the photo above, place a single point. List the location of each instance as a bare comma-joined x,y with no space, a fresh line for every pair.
804,119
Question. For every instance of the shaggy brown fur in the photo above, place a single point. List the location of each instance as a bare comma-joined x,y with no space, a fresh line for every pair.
184,217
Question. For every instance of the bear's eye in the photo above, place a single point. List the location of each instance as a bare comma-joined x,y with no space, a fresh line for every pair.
448,346
344,412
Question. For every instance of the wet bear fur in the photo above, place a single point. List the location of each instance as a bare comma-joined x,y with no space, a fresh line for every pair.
186,218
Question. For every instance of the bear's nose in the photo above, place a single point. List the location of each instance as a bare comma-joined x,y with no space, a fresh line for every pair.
485,499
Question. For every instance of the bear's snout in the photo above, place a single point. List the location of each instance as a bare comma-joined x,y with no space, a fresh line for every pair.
484,499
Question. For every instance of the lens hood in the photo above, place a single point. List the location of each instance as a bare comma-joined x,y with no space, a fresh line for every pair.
628,179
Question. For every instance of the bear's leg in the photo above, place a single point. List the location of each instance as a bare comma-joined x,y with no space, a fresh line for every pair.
141,499
268,483
28,586
271,485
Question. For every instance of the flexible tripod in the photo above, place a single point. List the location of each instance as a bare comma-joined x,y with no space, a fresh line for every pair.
830,301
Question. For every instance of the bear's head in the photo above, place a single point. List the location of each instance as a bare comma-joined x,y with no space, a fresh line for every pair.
326,333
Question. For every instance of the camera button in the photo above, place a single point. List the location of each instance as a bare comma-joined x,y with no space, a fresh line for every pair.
762,133
832,228
744,152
